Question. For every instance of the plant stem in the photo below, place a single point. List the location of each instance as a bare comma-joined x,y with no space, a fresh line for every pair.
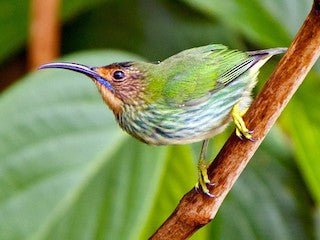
44,36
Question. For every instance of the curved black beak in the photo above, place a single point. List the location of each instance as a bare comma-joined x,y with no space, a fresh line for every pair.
87,70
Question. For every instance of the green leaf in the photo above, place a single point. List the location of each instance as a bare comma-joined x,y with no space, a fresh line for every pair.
267,23
178,178
66,169
302,121
14,21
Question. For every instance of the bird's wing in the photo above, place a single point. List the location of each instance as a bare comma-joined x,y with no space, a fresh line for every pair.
195,73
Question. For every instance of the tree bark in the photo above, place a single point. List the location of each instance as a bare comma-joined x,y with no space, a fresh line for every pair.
195,209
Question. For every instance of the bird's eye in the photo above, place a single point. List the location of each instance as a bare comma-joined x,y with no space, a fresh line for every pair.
118,75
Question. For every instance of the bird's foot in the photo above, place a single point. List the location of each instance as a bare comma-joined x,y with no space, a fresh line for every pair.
244,133
241,130
203,179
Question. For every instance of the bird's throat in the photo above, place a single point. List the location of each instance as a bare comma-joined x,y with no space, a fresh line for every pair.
114,103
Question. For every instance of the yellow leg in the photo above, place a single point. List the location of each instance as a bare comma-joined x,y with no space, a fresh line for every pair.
203,179
241,129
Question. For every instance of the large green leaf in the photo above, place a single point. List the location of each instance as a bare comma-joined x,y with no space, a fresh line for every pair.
14,21
64,162
268,23
302,120
178,178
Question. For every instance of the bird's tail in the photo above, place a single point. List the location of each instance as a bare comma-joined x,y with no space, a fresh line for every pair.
260,57
255,60
267,52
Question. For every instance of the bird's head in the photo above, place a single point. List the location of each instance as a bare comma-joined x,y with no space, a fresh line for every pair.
118,83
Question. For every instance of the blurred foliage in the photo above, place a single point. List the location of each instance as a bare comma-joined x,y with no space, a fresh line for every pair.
266,23
14,15
68,172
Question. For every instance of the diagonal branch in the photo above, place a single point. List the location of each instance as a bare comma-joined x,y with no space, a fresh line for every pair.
196,210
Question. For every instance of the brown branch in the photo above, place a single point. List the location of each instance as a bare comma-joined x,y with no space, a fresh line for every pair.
196,210
44,36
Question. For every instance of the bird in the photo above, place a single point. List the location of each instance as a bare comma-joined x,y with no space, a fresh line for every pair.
186,98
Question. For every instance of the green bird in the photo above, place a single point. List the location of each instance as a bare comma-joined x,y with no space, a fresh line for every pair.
186,98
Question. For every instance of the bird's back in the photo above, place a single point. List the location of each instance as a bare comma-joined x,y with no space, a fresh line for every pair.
192,74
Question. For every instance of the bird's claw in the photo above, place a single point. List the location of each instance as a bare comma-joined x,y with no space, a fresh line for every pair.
204,190
241,130
244,133
203,180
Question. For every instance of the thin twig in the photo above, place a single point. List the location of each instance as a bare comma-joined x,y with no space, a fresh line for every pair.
196,210
44,38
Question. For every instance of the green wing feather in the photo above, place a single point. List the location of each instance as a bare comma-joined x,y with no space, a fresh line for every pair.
192,74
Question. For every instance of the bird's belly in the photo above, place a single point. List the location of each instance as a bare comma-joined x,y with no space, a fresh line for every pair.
160,127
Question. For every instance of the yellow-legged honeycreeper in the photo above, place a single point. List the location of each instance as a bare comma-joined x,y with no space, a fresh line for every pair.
186,98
